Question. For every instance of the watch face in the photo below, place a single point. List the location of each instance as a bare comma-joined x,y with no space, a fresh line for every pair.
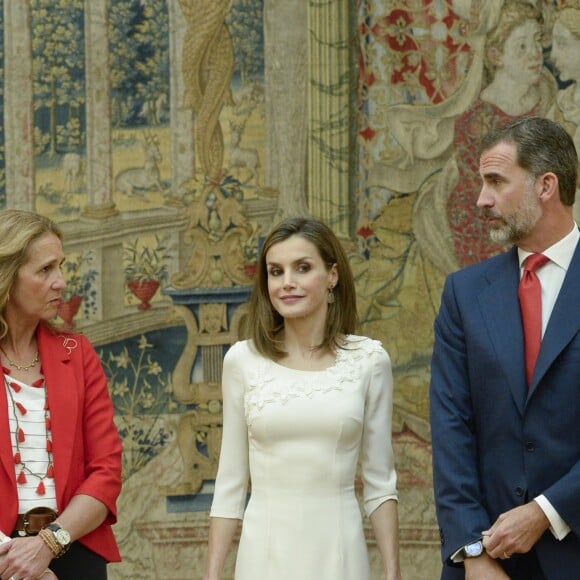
62,537
474,550
60,534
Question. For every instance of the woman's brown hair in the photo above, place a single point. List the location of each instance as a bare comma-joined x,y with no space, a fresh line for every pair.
264,322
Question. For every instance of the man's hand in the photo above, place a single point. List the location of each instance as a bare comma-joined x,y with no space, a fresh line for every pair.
483,568
515,531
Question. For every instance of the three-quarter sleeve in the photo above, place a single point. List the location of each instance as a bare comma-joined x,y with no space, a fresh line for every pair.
229,499
377,458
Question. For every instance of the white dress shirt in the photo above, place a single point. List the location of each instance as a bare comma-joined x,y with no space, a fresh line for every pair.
551,277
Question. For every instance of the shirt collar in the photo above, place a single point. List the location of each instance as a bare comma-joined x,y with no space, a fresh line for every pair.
561,252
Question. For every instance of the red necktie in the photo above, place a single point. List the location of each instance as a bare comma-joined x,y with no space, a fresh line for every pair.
530,295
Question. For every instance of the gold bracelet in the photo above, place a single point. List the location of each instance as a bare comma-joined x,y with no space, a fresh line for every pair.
48,538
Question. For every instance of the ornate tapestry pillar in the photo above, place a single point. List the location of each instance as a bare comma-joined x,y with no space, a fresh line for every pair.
18,106
181,121
331,113
98,112
285,50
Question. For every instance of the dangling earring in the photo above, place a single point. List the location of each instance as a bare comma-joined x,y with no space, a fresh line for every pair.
330,295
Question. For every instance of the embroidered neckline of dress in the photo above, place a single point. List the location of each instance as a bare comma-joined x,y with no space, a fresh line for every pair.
264,388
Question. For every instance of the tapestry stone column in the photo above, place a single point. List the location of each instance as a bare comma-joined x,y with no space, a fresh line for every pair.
331,112
285,50
18,106
98,113
181,121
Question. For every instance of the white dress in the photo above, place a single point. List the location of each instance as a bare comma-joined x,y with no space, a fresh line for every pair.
299,435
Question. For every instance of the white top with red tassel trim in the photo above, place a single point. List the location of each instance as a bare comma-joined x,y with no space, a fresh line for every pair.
29,420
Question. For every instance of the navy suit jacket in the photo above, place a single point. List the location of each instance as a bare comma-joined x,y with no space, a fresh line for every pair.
496,443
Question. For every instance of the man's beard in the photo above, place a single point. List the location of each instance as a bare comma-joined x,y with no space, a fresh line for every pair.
519,223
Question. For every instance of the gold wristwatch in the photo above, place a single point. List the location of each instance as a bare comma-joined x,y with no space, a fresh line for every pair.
61,536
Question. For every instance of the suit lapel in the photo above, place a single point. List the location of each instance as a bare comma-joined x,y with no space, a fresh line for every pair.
500,311
6,455
62,398
564,322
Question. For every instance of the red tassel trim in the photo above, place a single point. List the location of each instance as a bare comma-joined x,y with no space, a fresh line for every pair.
46,404
38,383
47,423
21,408
17,458
15,387
21,478
20,435
5,370
40,489
50,471
49,445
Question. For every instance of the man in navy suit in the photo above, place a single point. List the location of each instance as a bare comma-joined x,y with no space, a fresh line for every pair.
506,449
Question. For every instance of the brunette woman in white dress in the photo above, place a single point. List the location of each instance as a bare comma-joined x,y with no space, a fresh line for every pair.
305,401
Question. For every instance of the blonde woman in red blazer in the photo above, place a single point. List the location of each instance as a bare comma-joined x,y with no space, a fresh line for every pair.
60,452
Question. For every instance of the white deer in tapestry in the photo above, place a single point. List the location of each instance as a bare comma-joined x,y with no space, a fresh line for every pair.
136,181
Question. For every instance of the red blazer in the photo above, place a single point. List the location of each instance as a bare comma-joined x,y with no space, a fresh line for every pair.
86,445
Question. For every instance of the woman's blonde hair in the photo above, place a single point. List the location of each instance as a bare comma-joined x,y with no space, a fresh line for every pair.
18,229
264,322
